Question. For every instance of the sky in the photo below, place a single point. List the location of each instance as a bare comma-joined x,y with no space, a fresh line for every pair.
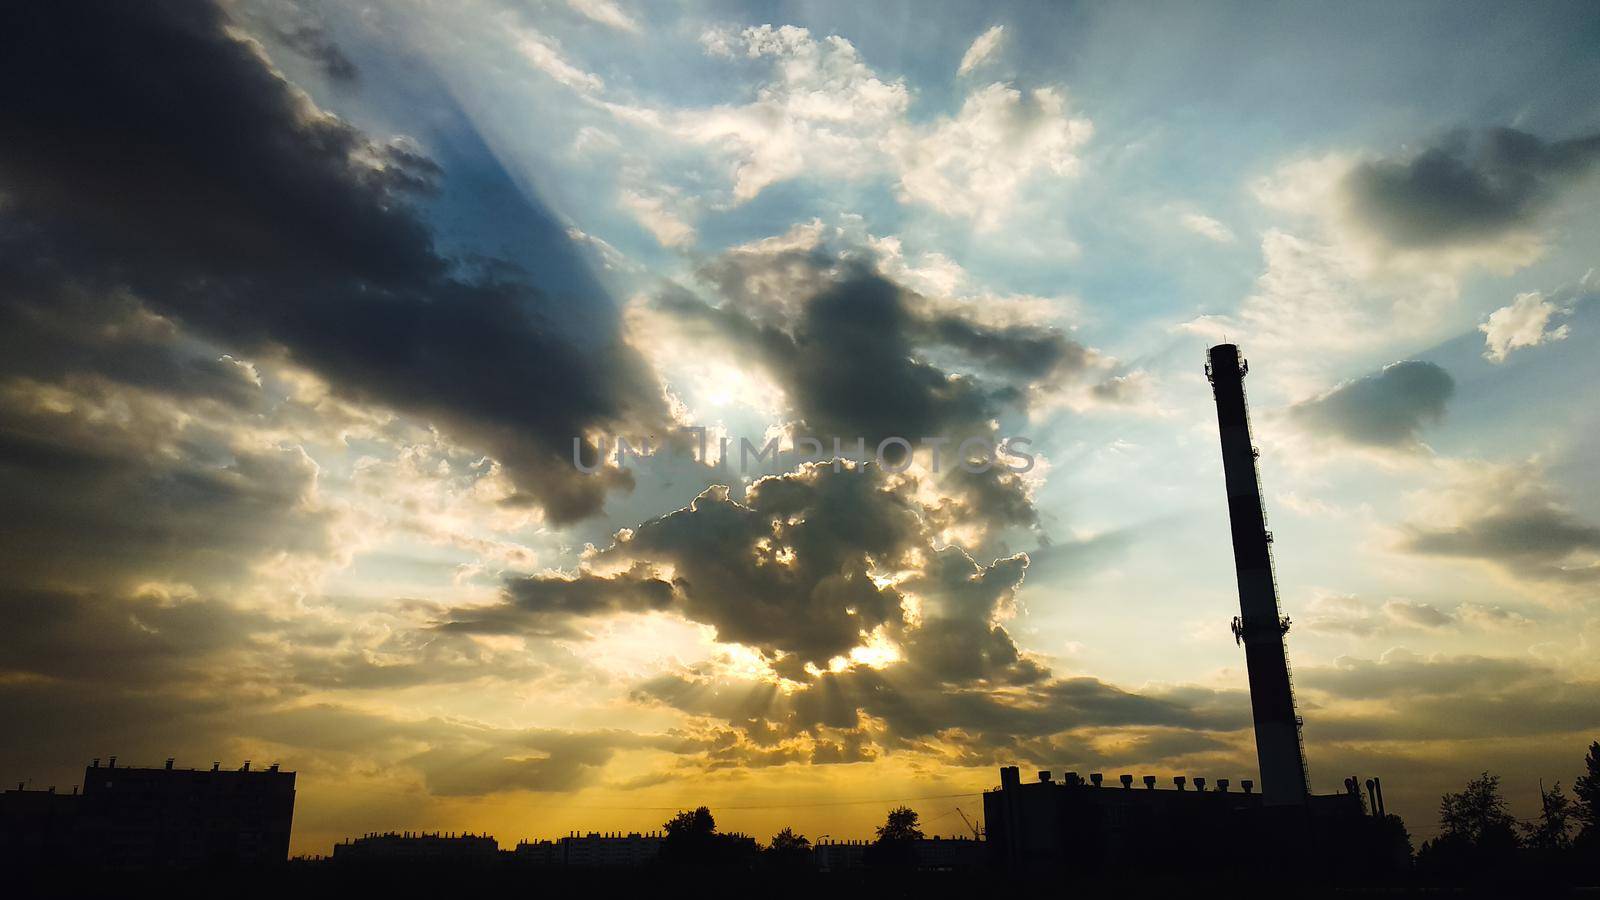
306,304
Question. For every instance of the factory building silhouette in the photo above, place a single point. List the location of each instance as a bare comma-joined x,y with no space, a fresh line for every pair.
1091,825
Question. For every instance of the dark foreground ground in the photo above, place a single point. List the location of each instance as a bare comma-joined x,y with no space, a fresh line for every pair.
309,881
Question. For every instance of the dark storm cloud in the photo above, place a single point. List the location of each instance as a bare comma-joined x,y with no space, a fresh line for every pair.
451,757
106,488
1535,541
114,337
788,571
546,605
312,41
861,355
1031,352
993,496
959,640
848,362
151,641
212,677
1472,187
1385,409
144,150
458,758
1448,697
911,711
139,642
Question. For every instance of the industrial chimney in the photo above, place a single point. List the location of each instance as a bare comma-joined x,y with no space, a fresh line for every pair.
1259,626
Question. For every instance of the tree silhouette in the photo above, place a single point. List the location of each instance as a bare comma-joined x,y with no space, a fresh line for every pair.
786,841
788,851
1586,810
688,824
1551,832
1478,813
1586,789
900,826
692,840
896,846
1477,833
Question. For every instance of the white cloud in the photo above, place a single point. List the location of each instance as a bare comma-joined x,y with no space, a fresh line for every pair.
610,257
982,49
1315,192
606,12
1339,614
544,54
1207,227
653,212
825,113
1314,301
973,165
1525,323
1421,615
1491,618
1330,287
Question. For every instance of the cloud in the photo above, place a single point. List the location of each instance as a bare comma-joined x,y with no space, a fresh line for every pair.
245,215
544,605
1422,615
960,640
1525,323
1049,721
974,164
873,637
1536,541
1351,615
607,13
1385,409
110,486
982,49
1508,516
543,53
1374,251
1470,188
311,40
790,571
1340,614
1491,618
823,113
857,354
655,212
1207,227
1444,697
1320,295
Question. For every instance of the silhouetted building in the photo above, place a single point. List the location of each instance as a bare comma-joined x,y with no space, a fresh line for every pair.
941,853
929,853
133,818
1260,625
37,827
419,848
1098,828
596,850
836,856
541,853
1095,827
